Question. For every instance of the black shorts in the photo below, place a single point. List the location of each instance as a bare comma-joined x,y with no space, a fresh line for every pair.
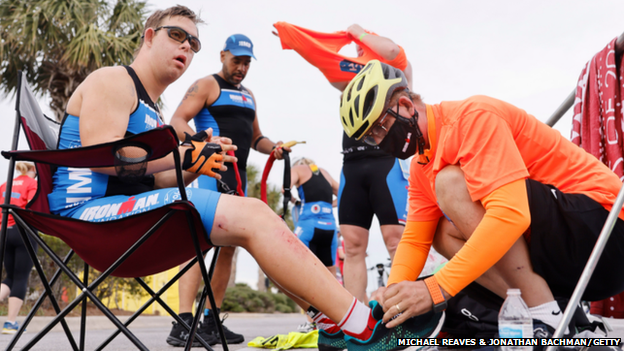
372,186
564,230
17,263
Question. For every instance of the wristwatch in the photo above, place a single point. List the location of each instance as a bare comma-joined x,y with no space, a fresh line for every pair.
439,302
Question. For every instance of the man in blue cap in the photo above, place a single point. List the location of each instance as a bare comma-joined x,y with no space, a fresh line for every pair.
220,102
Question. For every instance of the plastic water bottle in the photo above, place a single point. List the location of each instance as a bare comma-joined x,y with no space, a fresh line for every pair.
514,320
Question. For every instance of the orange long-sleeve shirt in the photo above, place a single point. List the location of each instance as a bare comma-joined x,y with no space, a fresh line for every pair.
497,146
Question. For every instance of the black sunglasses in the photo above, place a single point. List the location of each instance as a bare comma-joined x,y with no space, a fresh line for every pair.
180,35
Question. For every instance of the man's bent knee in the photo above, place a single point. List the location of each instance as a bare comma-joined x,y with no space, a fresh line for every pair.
450,186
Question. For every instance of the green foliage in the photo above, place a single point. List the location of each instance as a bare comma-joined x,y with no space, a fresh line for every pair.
59,42
242,298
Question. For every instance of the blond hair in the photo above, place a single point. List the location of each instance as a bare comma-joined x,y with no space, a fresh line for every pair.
24,167
303,161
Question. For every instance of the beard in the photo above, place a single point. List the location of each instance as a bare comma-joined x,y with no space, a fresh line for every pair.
229,76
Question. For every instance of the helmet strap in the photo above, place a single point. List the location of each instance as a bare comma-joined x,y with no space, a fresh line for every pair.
413,123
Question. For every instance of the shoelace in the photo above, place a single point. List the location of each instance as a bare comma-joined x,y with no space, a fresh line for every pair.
225,315
307,327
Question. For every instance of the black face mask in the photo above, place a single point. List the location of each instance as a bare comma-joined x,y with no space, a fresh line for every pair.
404,138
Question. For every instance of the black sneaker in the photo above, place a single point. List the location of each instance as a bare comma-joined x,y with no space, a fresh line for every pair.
208,326
579,327
179,335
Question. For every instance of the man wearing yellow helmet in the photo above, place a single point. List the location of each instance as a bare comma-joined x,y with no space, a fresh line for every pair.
370,177
506,198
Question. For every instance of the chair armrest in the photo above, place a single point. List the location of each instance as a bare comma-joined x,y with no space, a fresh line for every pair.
157,143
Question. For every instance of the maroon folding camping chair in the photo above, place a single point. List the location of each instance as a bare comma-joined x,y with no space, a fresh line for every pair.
134,246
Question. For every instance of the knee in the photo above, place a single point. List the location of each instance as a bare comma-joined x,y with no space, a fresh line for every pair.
358,252
355,247
261,220
392,238
450,186
257,209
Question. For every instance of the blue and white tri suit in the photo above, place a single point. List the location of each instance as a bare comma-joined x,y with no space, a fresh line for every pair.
91,196
231,115
316,226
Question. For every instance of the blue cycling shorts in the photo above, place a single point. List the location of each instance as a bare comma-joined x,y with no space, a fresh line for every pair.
119,206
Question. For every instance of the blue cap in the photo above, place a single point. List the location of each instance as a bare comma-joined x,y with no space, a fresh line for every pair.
239,45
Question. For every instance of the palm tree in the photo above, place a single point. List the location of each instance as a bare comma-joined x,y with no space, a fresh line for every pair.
59,42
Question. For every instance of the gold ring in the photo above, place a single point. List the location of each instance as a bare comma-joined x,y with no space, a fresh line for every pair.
397,307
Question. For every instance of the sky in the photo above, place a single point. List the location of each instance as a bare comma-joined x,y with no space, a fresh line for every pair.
529,53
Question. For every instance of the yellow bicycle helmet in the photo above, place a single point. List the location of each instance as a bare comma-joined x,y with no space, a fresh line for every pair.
367,96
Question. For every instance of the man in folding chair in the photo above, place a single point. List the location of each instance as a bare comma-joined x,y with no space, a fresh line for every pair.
221,101
114,102
508,200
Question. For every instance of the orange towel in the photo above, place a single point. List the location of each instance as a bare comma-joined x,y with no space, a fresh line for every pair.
321,50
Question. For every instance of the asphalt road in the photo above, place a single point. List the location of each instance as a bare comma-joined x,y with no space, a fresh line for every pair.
153,331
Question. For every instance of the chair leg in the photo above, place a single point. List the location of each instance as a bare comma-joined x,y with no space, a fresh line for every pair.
193,333
206,277
211,298
201,304
87,292
156,297
39,302
83,317
591,264
27,234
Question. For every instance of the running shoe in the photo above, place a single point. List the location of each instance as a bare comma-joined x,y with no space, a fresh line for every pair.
306,327
331,342
579,327
209,327
427,325
179,334
10,328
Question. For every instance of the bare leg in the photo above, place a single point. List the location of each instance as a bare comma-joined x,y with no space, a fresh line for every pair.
15,304
4,291
188,285
221,275
448,241
332,270
391,234
513,270
249,223
355,273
